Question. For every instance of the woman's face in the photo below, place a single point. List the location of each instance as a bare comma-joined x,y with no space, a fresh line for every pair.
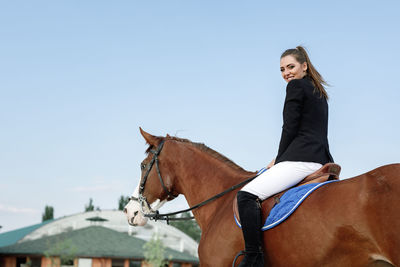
292,69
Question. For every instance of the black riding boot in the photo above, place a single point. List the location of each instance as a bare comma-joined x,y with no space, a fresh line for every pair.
250,219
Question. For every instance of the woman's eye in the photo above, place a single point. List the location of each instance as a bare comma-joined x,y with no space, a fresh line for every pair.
291,67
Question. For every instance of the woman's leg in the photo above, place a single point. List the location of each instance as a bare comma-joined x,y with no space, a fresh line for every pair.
251,220
274,180
280,177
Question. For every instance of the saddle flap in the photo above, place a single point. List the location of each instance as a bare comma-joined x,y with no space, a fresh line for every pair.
266,206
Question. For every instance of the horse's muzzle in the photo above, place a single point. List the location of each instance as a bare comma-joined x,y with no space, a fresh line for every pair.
132,221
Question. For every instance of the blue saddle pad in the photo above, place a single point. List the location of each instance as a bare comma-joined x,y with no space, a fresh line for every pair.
289,202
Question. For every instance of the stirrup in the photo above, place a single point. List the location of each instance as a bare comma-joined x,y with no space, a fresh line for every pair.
241,253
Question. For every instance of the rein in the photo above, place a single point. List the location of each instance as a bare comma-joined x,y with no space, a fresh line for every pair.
166,216
157,216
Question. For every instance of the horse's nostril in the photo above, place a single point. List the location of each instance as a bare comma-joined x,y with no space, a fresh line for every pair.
125,211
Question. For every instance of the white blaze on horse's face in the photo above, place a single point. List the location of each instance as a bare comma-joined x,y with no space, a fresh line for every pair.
134,211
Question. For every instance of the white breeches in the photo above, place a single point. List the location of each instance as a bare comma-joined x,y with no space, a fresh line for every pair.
279,177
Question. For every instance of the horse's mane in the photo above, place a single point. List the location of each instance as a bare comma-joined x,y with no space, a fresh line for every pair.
206,149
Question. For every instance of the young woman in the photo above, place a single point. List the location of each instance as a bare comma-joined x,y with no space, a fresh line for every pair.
303,147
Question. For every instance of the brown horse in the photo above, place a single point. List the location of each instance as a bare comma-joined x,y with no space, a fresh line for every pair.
354,222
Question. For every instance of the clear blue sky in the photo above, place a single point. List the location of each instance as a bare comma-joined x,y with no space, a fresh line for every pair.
78,78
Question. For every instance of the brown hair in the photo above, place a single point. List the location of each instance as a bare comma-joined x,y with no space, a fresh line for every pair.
300,54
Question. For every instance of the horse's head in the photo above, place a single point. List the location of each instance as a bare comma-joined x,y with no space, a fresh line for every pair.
156,183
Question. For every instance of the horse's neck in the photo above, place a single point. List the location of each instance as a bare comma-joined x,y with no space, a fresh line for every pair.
205,177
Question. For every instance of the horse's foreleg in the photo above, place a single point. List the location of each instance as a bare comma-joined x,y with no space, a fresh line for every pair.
220,243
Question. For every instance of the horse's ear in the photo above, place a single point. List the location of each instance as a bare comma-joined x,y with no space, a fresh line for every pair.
150,139
168,136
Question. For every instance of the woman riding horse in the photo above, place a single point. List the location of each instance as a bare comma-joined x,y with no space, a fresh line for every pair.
303,147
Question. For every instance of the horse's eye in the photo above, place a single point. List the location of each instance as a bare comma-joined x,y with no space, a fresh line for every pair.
142,166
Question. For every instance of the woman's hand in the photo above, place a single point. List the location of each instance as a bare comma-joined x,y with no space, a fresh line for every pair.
272,163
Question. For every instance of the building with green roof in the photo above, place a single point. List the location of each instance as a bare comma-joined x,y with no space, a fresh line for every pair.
91,239
13,237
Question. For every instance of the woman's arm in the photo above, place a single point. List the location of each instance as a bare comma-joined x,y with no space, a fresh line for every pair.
272,163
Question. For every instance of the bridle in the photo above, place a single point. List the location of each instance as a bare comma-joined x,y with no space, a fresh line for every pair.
142,199
154,214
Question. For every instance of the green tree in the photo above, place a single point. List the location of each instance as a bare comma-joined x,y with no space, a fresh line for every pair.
189,227
90,206
154,251
122,202
48,213
65,249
